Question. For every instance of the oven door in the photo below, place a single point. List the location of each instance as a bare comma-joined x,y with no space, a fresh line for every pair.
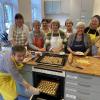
41,77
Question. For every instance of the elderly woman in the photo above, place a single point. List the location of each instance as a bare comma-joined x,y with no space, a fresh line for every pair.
69,27
56,39
36,37
18,32
79,41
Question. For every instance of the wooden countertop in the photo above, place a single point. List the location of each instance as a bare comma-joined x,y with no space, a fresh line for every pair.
85,65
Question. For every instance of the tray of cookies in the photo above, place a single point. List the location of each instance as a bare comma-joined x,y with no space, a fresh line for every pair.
52,59
48,87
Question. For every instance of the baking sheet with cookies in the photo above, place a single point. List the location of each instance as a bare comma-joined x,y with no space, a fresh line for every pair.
52,59
48,87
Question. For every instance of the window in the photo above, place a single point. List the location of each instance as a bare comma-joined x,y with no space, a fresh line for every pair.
1,18
8,16
36,9
8,8
34,13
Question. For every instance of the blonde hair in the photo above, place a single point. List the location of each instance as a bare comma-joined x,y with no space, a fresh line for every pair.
80,24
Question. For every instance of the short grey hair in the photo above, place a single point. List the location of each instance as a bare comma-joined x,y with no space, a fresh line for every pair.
36,21
80,24
55,21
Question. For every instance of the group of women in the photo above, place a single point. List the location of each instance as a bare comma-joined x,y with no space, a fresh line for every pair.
50,38
47,35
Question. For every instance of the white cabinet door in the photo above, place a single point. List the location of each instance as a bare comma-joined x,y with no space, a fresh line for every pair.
52,6
48,7
65,6
56,6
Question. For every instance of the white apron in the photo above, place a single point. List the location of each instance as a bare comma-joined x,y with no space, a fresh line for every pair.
56,42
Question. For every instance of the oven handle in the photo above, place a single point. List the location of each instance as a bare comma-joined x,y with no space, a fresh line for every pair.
34,96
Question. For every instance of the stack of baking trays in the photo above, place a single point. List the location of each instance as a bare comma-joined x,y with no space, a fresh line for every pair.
53,60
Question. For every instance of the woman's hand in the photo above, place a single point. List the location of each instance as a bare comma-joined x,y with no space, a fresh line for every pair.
42,49
87,51
13,42
29,88
34,91
56,50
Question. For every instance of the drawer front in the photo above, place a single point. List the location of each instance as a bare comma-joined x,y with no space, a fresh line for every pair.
76,88
82,95
82,86
88,79
76,96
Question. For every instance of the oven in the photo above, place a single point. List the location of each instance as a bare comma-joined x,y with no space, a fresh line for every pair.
50,82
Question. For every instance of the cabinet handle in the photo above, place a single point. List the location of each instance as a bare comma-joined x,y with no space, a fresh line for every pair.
70,83
71,96
71,77
84,93
84,85
85,77
70,89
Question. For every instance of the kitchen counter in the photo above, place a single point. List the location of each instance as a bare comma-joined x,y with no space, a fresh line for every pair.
85,65
82,78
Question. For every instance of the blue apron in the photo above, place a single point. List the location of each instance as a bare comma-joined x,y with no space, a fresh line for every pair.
78,45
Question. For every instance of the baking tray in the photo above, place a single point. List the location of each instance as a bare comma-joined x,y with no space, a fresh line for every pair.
48,87
52,59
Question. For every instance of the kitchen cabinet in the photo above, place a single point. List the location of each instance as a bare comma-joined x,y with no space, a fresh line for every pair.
75,9
57,6
52,6
65,6
81,86
48,7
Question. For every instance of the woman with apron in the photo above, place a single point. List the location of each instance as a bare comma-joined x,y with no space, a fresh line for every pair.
79,41
56,40
92,31
18,33
36,37
10,64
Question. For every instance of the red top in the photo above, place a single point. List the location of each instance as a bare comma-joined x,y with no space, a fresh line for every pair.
38,42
